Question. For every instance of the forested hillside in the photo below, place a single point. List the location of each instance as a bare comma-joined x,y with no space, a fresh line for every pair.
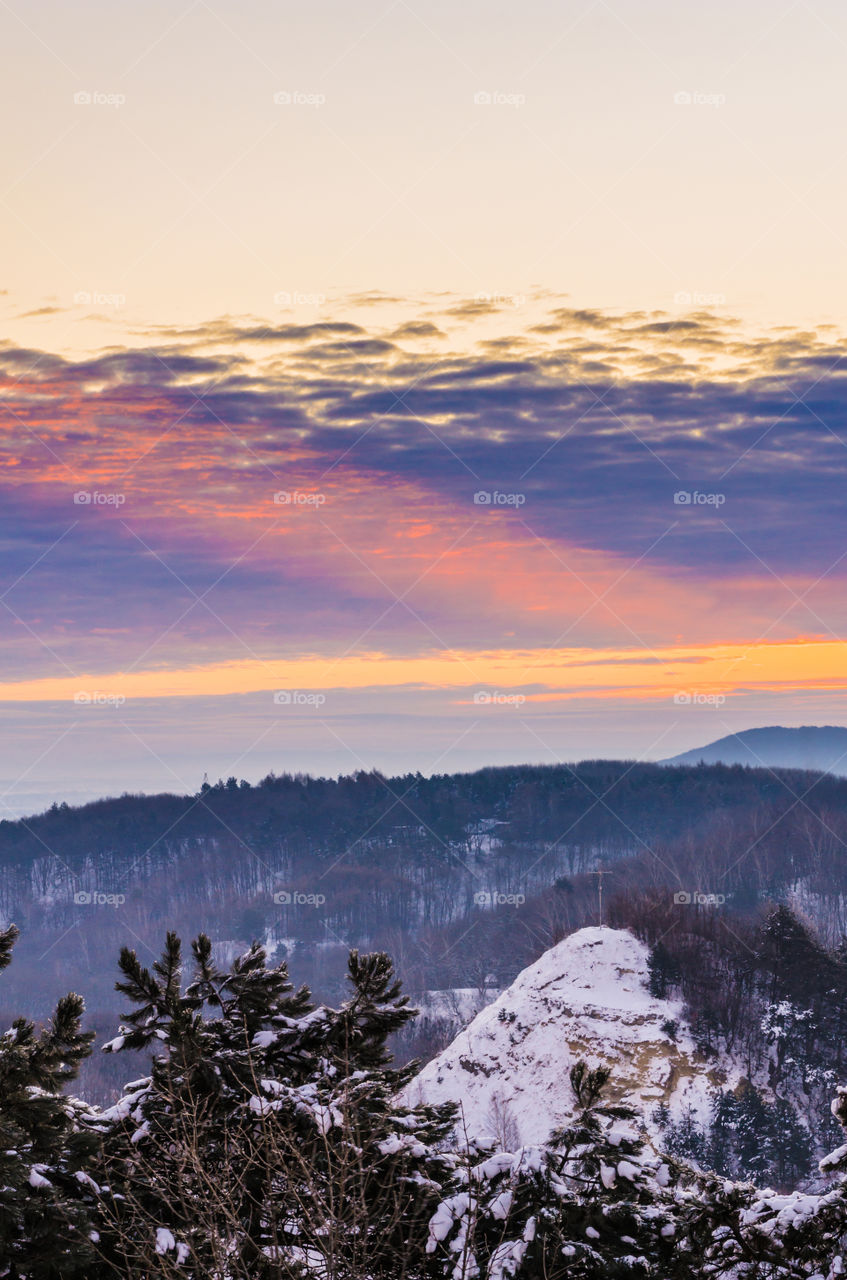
463,878
269,1141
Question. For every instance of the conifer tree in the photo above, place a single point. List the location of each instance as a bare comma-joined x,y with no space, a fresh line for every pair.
45,1231
266,1139
664,971
589,1204
795,966
789,1146
751,1126
721,1154
686,1138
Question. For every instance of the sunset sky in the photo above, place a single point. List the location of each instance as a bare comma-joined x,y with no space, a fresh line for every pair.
471,377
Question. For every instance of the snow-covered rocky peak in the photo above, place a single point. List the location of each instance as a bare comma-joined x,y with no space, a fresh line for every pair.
585,998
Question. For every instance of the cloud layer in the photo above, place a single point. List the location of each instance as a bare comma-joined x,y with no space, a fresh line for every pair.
259,491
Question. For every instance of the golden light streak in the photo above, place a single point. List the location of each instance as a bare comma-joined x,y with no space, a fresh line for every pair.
540,675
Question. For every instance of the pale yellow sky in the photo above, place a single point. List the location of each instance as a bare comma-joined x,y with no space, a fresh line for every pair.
184,191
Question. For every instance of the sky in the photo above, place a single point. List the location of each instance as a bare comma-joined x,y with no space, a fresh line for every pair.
416,386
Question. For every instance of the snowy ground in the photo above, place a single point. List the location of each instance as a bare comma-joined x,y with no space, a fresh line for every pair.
586,998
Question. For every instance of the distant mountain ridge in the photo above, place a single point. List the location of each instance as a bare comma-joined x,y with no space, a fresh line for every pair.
818,747
464,882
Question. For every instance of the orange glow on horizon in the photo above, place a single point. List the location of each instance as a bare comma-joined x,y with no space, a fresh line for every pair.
545,675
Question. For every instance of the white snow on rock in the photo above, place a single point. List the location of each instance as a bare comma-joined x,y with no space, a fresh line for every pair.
587,998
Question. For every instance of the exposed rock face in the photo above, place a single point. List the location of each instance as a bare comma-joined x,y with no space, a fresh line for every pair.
585,998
